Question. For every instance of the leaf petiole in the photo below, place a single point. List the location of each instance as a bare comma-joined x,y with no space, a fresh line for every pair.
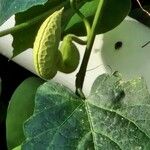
86,22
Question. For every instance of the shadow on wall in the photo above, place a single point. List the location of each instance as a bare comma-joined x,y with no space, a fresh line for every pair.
123,50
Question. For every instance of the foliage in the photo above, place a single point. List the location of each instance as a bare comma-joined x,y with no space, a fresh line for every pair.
113,13
116,113
10,7
28,34
20,108
107,119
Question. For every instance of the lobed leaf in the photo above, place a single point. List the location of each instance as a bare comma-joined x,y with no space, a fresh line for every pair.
115,116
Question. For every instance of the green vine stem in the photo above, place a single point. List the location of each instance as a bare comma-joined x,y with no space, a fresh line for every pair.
86,23
31,22
82,72
77,39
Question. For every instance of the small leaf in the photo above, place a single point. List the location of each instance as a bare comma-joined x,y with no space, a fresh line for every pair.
11,7
20,108
115,116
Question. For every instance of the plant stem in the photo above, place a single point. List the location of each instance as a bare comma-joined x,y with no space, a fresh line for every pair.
30,22
82,72
77,39
86,23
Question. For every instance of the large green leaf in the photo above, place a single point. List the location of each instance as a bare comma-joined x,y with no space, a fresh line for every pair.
11,7
115,116
113,13
119,114
57,111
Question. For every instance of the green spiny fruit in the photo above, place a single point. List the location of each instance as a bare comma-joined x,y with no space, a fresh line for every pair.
46,46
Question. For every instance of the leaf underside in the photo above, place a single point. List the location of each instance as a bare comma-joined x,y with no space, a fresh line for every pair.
107,119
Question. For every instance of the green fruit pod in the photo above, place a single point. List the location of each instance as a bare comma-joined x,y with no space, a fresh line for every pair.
70,55
45,49
20,108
